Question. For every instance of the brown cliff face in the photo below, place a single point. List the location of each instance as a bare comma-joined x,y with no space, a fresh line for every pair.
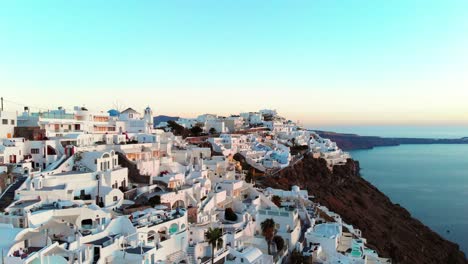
388,227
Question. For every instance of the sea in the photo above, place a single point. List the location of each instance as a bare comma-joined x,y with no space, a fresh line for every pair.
430,181
421,131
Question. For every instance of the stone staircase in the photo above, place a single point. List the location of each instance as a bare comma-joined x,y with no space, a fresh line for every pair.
191,255
177,257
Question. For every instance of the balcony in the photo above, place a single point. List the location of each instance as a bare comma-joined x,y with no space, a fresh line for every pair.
54,115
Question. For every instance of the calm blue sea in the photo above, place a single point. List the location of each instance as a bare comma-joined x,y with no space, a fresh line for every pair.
401,131
431,181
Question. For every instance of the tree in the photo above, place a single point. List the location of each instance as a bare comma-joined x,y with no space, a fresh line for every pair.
175,128
276,200
249,176
268,231
196,130
213,131
296,257
214,237
229,214
279,242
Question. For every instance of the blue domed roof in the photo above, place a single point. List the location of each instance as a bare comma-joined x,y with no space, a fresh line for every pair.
113,112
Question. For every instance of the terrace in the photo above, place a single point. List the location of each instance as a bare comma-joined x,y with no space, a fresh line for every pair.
103,242
52,115
156,217
328,230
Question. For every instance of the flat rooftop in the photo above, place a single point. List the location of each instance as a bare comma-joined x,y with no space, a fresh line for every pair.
51,188
138,250
69,173
100,242
24,204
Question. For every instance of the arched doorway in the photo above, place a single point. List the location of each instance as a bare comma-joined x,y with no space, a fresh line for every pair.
178,204
163,234
152,236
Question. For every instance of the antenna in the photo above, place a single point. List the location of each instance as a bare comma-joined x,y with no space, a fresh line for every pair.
117,105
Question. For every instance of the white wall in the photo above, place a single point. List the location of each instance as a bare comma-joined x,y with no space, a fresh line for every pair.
7,130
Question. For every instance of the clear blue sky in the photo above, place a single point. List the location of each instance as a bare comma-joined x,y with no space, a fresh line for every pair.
320,61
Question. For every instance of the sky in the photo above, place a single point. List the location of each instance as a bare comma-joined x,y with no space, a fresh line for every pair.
322,62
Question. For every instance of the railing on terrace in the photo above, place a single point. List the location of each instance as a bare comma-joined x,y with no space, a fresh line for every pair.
54,115
282,212
150,223
216,255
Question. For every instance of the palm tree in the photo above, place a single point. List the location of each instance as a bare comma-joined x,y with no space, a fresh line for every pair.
268,230
213,235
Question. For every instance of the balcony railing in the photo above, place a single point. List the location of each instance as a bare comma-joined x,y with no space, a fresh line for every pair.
54,115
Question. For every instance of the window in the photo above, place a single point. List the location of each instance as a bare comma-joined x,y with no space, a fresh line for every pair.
34,151
13,122
5,121
115,198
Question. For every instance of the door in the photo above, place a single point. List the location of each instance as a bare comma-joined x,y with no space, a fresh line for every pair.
97,254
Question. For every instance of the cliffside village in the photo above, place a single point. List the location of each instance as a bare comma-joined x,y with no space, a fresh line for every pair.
117,187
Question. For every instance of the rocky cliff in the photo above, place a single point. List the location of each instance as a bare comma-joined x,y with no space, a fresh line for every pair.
388,227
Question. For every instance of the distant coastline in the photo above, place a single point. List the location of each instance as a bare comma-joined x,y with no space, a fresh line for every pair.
348,141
